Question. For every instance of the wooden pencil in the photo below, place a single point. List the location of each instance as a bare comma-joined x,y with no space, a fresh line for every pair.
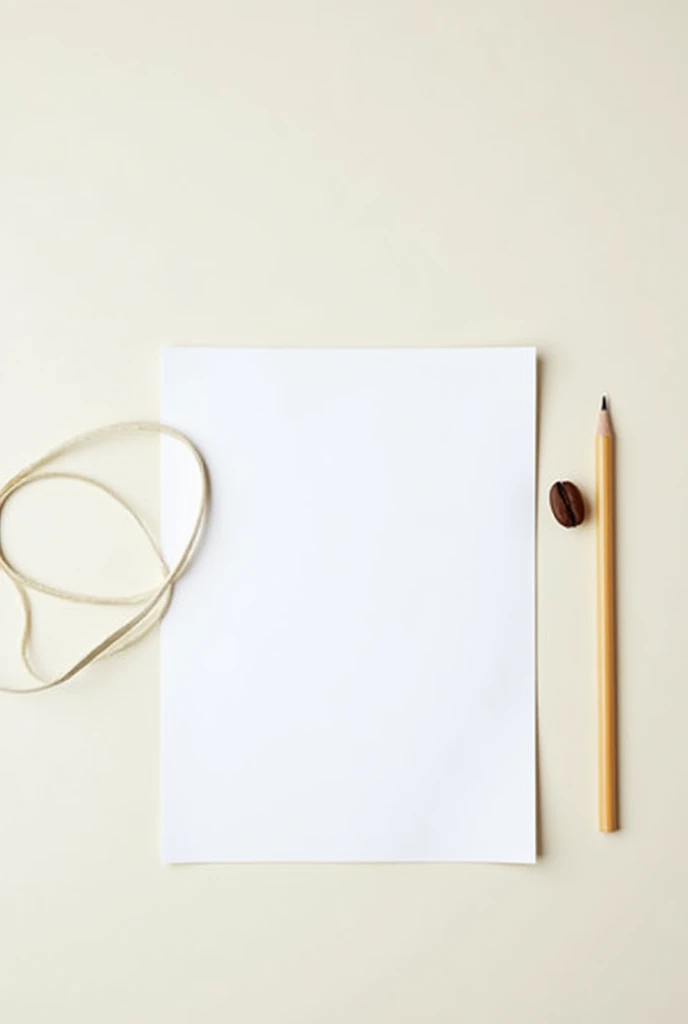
606,626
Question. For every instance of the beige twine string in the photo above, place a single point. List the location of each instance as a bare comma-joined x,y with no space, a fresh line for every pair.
154,602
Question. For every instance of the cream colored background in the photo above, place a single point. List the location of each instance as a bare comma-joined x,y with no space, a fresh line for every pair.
347,173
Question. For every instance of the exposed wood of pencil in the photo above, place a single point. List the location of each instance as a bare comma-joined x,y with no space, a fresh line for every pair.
606,653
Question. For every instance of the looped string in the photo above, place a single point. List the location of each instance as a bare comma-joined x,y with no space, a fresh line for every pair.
153,603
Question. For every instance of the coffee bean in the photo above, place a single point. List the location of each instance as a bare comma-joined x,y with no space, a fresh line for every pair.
566,502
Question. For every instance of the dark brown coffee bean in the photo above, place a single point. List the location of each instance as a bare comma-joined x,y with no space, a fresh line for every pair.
566,502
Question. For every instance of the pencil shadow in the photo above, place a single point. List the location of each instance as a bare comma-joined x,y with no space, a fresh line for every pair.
540,845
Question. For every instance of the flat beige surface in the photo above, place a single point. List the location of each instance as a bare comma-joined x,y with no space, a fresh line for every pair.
347,173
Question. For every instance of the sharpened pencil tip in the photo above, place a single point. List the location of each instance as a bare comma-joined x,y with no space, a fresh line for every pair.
604,402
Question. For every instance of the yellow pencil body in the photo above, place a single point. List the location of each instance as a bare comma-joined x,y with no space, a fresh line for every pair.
606,631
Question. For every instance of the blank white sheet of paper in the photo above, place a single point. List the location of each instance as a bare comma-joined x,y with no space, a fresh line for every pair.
348,669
